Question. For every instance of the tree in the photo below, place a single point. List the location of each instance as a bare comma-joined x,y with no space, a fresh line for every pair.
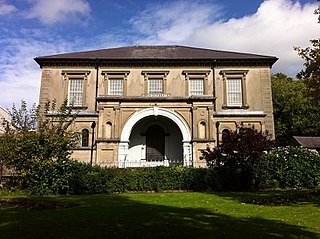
317,12
311,73
295,112
237,159
22,119
238,147
31,151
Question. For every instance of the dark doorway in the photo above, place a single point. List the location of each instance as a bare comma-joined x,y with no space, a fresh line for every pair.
155,143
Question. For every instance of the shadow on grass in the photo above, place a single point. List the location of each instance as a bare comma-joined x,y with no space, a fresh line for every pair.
118,216
274,198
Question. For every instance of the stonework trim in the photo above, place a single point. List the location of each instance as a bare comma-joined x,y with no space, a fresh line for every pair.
196,74
231,74
71,74
155,111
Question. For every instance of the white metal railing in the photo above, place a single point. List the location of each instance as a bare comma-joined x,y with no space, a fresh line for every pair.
149,163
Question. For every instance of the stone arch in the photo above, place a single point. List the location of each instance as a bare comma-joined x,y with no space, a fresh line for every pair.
155,111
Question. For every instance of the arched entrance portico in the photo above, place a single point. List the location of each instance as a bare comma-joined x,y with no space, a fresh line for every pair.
153,117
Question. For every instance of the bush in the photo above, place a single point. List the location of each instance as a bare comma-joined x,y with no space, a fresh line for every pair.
290,167
236,157
70,177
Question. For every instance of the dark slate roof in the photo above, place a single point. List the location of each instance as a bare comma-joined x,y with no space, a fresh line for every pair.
308,141
157,52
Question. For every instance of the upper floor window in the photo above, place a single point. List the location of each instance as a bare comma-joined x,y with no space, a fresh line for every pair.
155,83
234,92
155,87
75,92
196,86
196,82
234,89
115,86
76,87
116,82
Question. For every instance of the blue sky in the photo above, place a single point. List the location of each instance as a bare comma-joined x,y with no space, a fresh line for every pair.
31,28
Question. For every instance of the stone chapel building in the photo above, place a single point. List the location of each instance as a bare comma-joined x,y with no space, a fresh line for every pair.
143,106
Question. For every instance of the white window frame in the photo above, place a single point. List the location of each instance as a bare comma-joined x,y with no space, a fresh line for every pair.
155,87
110,76
194,75
75,91
230,77
70,76
115,86
196,86
234,92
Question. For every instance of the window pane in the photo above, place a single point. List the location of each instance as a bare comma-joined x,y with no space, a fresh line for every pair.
115,86
196,86
85,138
155,87
234,92
76,91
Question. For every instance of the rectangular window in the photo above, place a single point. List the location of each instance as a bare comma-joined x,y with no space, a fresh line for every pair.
196,86
155,87
234,92
75,95
115,86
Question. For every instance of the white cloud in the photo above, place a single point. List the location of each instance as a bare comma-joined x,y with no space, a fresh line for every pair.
6,8
57,11
274,29
172,22
19,74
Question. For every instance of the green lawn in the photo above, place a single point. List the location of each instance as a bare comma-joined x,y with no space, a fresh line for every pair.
162,215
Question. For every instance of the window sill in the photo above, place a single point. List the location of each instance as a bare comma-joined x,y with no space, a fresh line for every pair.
244,107
79,107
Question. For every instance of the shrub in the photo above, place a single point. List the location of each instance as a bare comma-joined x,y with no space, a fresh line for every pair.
290,167
236,157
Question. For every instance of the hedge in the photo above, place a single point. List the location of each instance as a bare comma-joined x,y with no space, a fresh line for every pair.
290,167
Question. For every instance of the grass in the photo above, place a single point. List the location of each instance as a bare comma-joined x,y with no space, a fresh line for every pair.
161,215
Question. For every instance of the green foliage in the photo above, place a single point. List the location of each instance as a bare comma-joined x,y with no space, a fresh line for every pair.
295,112
112,180
311,73
22,119
37,156
290,167
70,177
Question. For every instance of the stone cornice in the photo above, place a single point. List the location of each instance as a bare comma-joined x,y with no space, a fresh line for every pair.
204,98
152,63
243,113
